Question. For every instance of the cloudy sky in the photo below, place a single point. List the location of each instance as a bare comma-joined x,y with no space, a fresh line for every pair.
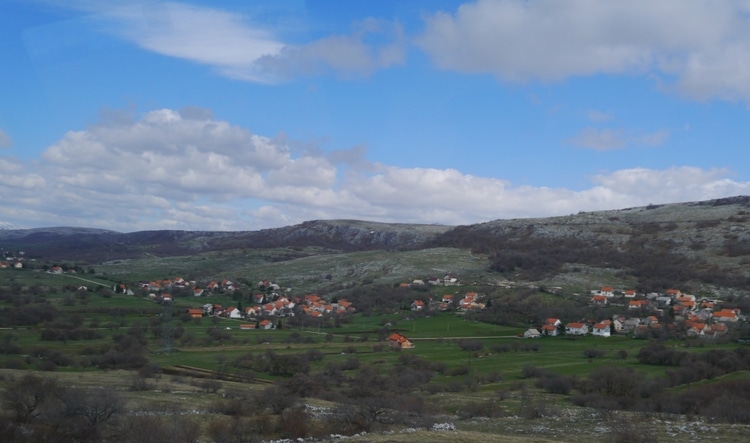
248,114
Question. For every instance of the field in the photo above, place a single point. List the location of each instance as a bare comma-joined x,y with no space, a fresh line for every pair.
473,364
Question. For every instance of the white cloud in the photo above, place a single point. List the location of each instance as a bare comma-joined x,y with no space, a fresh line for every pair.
5,140
599,139
607,139
349,55
599,116
166,170
227,41
703,46
657,138
238,47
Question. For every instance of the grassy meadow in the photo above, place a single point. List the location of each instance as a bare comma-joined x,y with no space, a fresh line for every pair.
496,360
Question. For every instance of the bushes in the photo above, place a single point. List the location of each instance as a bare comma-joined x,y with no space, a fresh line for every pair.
594,353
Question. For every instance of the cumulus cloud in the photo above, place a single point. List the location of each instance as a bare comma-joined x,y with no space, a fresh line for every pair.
5,140
702,48
170,169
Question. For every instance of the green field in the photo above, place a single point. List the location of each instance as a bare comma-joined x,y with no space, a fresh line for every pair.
497,362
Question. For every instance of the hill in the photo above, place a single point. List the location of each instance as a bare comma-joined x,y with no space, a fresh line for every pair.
680,244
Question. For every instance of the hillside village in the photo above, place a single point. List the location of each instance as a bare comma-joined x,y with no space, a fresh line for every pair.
639,315
673,312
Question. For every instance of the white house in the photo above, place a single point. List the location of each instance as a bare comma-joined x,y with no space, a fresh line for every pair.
532,333
450,280
234,313
601,330
576,328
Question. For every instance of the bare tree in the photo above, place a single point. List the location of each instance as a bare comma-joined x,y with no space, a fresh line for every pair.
27,397
87,412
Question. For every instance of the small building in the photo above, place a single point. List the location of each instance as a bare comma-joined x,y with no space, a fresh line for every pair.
399,341
195,313
550,330
599,300
532,333
266,324
601,330
576,328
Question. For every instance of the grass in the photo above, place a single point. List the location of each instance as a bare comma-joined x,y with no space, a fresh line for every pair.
313,269
327,272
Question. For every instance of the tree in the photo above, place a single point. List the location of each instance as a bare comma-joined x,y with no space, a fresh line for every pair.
28,396
95,407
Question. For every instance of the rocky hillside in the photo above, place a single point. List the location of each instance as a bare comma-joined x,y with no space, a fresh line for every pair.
659,245
95,245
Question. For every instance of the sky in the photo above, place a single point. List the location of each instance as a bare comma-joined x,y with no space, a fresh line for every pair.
237,115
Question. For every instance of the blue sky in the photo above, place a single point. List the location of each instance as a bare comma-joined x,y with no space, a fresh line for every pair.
242,115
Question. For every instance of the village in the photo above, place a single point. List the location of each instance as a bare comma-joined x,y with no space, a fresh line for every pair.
642,315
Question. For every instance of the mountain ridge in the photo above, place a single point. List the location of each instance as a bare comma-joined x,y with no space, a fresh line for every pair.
661,245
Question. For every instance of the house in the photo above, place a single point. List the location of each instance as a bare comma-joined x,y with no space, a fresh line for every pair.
3,264
663,301
695,328
252,311
417,282
637,304
629,293
55,270
718,329
312,298
617,324
197,292
727,315
447,298
553,321
630,324
247,327
399,341
233,312
549,330
450,280
599,300
532,333
687,301
417,305
607,291
433,281
269,309
212,286
166,298
266,324
208,309
673,293
195,313
601,330
576,328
